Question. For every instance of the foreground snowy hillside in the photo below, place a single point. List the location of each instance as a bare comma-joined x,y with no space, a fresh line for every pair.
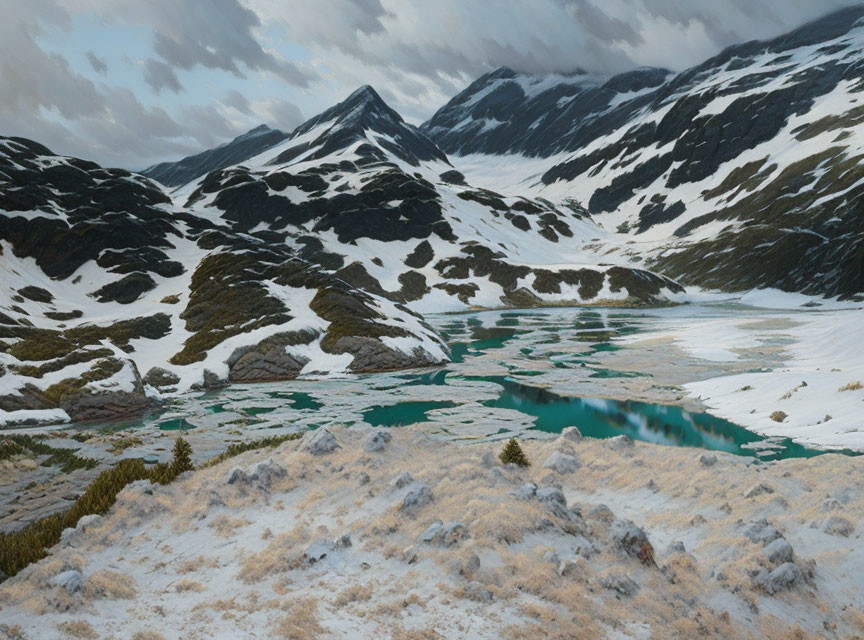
390,534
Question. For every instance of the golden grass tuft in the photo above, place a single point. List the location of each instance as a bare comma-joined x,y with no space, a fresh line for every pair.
302,622
78,629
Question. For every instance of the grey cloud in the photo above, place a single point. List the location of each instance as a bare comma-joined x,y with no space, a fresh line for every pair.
236,100
160,76
42,97
284,115
98,64
215,34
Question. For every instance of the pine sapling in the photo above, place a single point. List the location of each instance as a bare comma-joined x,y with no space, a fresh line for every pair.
182,460
513,454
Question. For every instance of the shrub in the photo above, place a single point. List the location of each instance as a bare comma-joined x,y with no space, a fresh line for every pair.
242,447
66,459
513,454
182,460
852,386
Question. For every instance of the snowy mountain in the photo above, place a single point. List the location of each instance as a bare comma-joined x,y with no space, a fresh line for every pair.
367,196
251,143
744,171
504,112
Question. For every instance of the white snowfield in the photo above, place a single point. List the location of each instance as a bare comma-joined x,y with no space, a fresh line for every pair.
818,382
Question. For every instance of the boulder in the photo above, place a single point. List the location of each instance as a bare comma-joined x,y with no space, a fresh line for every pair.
444,535
71,581
476,591
779,551
561,462
403,481
470,566
618,443
376,441
602,512
551,494
620,583
321,442
632,540
525,492
159,378
263,473
762,532
758,490
570,434
416,498
707,459
839,526
787,576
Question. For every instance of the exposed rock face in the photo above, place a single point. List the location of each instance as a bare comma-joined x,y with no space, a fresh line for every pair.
159,377
268,360
111,388
372,355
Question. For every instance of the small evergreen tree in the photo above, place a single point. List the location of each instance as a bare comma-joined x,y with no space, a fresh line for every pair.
182,460
513,454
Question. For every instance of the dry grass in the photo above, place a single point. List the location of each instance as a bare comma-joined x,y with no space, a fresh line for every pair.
852,386
354,593
400,633
302,623
196,564
78,629
529,598
225,526
188,585
110,584
147,635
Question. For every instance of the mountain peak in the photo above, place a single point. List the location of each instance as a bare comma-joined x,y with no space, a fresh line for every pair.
365,93
359,116
362,102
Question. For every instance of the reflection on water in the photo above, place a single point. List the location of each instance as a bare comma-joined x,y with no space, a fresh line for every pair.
602,418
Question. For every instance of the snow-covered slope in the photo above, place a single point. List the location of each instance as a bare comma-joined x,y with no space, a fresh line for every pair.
745,171
103,277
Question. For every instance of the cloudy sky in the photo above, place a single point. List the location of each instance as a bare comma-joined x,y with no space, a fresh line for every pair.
132,82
